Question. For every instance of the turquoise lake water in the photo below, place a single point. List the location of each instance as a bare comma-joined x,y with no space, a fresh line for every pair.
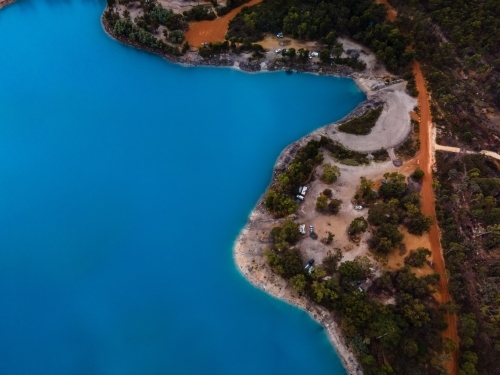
124,181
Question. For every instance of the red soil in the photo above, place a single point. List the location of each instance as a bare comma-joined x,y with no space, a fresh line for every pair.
425,162
391,13
213,31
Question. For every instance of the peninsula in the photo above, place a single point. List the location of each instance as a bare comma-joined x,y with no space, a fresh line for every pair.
384,226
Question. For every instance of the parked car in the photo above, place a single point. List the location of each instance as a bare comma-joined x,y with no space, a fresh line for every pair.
309,264
311,229
278,50
358,207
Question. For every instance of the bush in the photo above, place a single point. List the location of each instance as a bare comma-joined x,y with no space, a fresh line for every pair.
418,174
358,225
321,203
331,261
199,13
342,154
286,235
386,238
327,193
362,125
287,264
330,173
418,257
176,36
334,206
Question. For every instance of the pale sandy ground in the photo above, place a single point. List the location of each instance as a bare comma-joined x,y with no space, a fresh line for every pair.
436,147
179,6
392,127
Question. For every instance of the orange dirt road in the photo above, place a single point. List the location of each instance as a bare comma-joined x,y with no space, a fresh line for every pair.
425,163
213,31
391,13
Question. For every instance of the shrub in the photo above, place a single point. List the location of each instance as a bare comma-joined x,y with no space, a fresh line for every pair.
321,203
176,36
363,124
334,206
330,173
418,257
358,225
327,193
418,174
285,235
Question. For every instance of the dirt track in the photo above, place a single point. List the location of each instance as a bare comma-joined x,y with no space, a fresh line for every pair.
213,31
425,162
391,12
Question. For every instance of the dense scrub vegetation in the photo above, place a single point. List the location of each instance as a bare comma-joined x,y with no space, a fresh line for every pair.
403,337
398,337
363,20
468,210
456,40
348,157
280,198
399,205
140,31
363,124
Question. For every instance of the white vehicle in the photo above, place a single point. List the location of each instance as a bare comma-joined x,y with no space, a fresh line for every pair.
300,189
304,190
311,229
358,207
278,50
302,229
300,197
314,54
311,269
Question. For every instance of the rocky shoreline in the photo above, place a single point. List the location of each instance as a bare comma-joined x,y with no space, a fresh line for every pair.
239,61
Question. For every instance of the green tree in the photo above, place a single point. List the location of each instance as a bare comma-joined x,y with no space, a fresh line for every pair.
394,187
324,55
298,282
418,174
358,225
330,39
418,257
334,206
337,50
330,173
331,261
386,238
321,203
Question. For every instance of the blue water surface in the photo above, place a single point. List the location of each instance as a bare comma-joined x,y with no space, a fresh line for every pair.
124,181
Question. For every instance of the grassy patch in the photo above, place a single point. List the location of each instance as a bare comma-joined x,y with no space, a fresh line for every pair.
363,124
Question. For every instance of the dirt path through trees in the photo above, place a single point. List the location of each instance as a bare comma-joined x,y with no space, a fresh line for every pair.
391,12
425,163
213,31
